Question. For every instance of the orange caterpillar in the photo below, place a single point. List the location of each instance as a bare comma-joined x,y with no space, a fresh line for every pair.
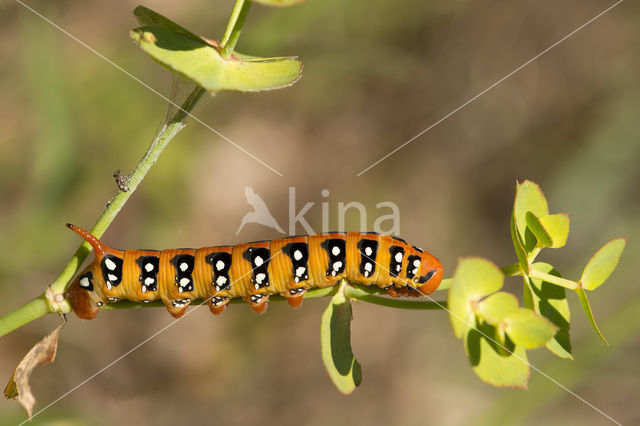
252,271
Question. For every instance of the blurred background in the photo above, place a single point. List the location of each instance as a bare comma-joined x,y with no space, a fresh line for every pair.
376,74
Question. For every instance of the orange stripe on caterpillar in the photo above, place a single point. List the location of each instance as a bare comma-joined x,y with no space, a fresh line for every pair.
251,271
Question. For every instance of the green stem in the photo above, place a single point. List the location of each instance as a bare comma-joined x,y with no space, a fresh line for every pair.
39,307
369,295
28,312
571,285
234,27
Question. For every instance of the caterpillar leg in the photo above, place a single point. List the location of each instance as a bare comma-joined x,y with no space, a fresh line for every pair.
404,291
414,292
392,291
218,304
258,302
294,296
178,307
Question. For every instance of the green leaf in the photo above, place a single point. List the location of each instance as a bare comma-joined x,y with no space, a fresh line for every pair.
541,234
201,63
149,18
490,362
278,3
335,334
519,247
550,301
602,264
474,279
587,310
528,329
445,284
496,307
529,198
557,226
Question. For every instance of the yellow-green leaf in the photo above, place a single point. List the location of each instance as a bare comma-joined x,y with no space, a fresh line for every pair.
490,362
496,307
550,301
335,334
474,279
518,246
541,234
529,198
528,329
602,264
557,226
586,306
149,18
202,63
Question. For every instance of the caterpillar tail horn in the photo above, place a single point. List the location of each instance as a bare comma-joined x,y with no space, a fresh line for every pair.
97,245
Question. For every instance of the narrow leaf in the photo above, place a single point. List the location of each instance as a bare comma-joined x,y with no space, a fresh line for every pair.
529,198
550,301
528,329
201,63
602,264
496,307
518,247
557,226
474,279
42,353
335,334
491,364
587,310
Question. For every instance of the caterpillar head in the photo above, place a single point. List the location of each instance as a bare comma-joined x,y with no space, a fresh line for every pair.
430,274
85,292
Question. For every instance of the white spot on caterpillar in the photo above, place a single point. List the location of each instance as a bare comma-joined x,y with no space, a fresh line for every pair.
368,267
300,271
398,257
416,263
112,277
368,251
184,266
258,261
366,274
336,266
148,267
296,280
398,268
109,286
221,280
219,265
260,277
184,282
414,271
144,289
149,281
84,282
333,273
335,250
109,264
297,255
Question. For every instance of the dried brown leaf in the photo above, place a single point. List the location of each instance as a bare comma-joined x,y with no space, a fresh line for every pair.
42,353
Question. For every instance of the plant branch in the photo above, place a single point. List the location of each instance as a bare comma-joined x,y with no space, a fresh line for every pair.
234,27
40,306
562,282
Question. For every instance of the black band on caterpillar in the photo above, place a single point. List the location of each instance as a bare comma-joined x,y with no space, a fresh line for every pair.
252,271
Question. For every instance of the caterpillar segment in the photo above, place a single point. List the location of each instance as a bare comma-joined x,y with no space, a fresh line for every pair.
251,271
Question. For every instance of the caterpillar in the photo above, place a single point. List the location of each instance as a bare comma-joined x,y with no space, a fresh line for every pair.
251,271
